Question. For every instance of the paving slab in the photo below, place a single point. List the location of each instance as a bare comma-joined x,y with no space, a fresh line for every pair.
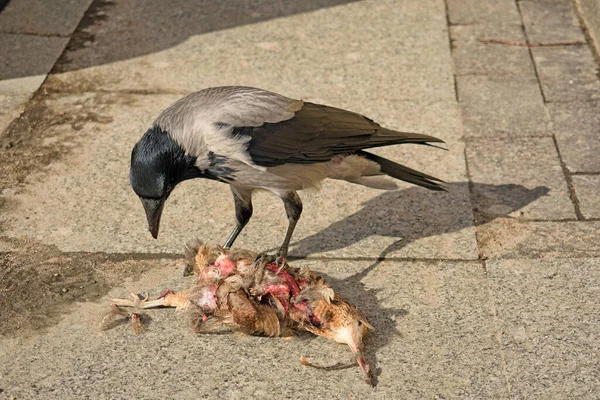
530,162
567,73
577,128
551,333
469,12
472,57
57,17
550,21
493,106
113,31
435,337
587,188
28,55
393,50
94,208
512,238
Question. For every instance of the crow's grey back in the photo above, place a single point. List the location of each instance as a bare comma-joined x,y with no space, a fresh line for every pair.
203,121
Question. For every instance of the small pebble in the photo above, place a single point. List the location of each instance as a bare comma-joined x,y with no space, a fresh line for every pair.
65,290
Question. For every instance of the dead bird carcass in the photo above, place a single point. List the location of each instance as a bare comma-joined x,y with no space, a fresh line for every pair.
249,292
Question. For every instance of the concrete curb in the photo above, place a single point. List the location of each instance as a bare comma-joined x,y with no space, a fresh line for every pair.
588,12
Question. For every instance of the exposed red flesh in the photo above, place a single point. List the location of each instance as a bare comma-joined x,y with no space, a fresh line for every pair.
306,312
225,265
294,289
281,291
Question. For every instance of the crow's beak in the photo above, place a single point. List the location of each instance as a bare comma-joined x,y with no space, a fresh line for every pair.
153,210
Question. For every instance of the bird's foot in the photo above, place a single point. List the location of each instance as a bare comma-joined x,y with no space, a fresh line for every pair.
281,259
116,316
265,259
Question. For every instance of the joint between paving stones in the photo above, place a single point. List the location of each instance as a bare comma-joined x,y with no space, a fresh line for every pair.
472,138
451,47
385,259
567,101
457,97
471,197
140,92
47,35
535,69
499,330
570,185
590,173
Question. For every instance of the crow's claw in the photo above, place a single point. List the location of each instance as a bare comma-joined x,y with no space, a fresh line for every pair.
280,261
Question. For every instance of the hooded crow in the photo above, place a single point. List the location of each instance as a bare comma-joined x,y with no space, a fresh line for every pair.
255,139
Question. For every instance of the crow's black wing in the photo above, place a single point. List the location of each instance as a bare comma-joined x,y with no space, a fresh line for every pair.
316,133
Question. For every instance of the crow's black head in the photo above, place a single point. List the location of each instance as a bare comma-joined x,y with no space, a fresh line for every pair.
158,164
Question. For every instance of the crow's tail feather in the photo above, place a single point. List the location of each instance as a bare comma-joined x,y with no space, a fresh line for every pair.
406,174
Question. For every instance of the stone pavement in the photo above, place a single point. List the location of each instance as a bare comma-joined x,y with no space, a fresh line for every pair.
487,291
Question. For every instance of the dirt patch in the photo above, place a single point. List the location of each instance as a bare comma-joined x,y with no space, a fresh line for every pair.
39,283
46,132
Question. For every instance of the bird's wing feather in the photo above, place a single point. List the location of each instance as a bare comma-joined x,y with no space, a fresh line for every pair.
316,133
265,129
202,122
229,105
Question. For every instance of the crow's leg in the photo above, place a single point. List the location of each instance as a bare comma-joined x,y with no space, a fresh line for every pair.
293,209
243,212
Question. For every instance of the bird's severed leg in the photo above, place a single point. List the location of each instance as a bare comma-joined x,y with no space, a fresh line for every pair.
167,299
243,211
293,209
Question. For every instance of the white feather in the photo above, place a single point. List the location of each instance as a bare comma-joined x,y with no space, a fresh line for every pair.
287,177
